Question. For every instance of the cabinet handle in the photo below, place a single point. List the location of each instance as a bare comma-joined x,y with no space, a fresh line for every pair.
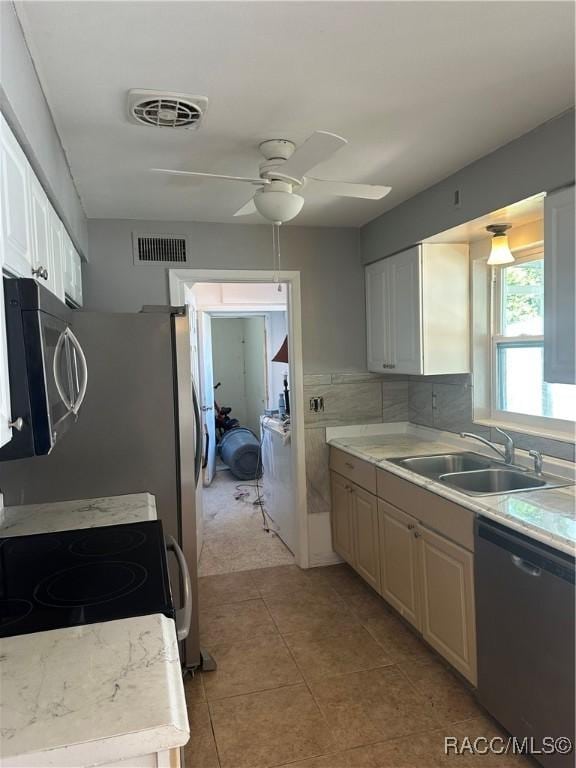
349,465
416,535
40,272
411,526
17,424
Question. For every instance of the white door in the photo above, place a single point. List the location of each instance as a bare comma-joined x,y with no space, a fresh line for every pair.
40,228
207,394
559,290
5,410
16,237
405,312
190,300
377,316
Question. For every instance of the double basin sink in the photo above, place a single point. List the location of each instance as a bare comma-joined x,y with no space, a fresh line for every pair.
477,475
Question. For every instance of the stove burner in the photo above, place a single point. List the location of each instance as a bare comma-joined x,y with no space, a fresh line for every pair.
32,547
106,543
13,610
90,584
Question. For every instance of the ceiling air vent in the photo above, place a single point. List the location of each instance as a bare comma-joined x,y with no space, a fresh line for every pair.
160,109
159,249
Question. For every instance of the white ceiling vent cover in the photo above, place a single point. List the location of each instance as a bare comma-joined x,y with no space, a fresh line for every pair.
163,109
159,249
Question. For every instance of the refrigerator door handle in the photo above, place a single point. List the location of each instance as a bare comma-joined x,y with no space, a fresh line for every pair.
198,438
183,614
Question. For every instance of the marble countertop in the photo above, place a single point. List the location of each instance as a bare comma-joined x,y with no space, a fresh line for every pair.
548,515
96,694
70,515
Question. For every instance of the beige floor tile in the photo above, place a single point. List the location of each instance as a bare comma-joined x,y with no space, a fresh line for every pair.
200,752
269,728
235,621
325,654
366,707
194,689
450,698
367,604
226,588
287,580
361,757
250,665
400,643
304,611
342,578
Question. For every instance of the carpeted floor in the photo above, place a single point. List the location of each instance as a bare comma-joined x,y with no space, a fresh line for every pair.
234,538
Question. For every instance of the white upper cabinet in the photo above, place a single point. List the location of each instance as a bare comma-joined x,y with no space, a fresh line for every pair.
417,311
16,230
559,279
34,240
5,411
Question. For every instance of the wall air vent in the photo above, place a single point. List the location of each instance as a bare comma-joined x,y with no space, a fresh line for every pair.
160,109
159,249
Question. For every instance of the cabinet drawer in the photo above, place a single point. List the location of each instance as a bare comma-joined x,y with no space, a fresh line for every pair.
438,513
360,472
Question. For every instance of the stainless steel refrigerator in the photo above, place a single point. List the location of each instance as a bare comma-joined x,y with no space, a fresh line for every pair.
138,430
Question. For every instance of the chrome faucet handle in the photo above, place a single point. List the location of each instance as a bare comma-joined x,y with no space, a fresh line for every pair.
508,445
538,460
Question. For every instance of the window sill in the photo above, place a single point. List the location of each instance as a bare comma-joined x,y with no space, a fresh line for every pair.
551,434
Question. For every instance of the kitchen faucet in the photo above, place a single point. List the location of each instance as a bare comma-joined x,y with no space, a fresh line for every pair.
507,453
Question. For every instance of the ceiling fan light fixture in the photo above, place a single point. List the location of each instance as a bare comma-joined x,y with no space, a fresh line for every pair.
500,252
278,206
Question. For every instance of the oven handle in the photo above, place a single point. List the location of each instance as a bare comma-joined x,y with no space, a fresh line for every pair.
56,370
184,614
84,368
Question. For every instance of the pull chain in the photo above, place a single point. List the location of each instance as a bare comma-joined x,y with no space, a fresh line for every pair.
276,253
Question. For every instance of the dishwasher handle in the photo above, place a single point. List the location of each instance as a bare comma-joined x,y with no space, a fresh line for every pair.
526,566
183,614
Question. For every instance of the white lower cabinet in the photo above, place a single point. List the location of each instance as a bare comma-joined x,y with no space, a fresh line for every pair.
168,758
425,575
448,623
355,528
398,561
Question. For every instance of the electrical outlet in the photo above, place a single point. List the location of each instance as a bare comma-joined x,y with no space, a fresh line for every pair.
316,404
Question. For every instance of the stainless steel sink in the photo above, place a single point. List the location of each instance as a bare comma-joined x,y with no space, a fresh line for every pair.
490,482
444,463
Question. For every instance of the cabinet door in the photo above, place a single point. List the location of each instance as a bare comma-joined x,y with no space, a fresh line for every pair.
40,227
77,269
398,566
15,234
447,590
405,302
559,282
341,518
377,316
5,409
366,554
58,253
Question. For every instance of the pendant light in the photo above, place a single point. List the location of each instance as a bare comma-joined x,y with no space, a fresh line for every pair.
500,253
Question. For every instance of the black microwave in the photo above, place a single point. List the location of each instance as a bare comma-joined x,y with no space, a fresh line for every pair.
47,368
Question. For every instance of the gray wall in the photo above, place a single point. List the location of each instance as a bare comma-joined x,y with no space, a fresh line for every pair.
24,106
539,161
332,277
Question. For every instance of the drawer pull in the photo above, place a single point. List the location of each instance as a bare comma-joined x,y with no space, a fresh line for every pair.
349,464
411,526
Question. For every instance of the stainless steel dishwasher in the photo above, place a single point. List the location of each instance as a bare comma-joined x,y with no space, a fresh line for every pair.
525,625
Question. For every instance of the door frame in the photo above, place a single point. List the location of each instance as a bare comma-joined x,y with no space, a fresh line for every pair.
180,278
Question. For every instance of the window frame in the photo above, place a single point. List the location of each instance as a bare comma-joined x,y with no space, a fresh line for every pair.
532,423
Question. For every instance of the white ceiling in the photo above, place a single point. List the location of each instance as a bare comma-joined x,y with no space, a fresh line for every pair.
420,89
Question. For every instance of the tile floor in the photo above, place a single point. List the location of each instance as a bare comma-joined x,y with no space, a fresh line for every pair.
234,539
314,671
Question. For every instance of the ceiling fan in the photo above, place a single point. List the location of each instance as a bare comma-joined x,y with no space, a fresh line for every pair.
285,169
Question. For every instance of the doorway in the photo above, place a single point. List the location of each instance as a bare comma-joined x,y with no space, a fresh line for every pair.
256,519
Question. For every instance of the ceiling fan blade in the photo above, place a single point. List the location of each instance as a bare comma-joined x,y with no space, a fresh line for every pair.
317,148
246,209
346,189
209,175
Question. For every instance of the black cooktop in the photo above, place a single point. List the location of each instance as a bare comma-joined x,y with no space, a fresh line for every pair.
69,578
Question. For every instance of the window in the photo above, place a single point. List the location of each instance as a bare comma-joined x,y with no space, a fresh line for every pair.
519,392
